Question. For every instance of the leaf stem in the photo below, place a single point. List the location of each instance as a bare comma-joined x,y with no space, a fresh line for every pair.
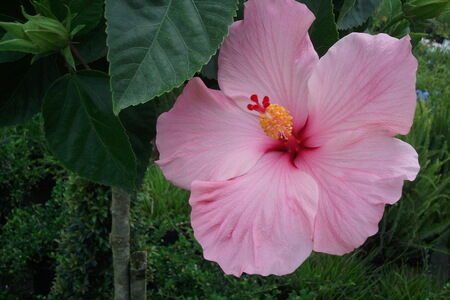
79,57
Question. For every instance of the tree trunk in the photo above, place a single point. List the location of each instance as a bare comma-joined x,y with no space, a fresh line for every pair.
138,283
120,243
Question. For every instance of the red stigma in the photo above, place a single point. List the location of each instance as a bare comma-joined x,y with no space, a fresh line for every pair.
266,102
258,107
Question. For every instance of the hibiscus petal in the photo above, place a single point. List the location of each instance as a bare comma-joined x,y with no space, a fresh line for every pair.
259,223
205,136
363,81
356,179
269,53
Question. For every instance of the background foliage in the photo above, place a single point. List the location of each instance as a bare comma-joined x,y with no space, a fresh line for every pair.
83,257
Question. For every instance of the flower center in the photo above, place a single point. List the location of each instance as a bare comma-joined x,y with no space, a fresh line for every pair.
275,120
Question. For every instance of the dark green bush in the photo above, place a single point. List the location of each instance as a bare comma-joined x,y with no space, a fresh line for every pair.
28,240
27,172
74,219
84,269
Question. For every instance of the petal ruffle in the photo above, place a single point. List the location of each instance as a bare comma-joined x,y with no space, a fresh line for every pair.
205,136
269,53
356,178
259,223
363,81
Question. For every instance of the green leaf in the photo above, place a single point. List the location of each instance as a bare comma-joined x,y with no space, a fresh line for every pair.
9,56
23,88
387,16
88,12
155,46
416,37
425,9
19,45
42,7
388,9
67,54
355,12
140,124
323,31
16,29
93,45
76,30
84,134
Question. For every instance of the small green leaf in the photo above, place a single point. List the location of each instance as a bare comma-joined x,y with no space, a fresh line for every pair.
16,29
87,12
323,31
23,88
9,56
356,12
425,9
83,133
416,37
140,124
37,57
387,18
43,8
77,29
155,46
19,45
68,57
389,9
399,29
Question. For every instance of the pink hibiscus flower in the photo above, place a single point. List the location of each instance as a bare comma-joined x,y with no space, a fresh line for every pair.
294,154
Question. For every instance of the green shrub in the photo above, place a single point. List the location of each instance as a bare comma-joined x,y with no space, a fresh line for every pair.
27,172
84,269
27,241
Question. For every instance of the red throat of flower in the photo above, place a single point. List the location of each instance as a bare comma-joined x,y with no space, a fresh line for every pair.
275,120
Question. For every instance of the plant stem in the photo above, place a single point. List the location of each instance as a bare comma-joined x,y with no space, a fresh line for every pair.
120,242
138,283
79,57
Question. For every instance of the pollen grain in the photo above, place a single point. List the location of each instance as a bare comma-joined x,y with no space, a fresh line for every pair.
276,122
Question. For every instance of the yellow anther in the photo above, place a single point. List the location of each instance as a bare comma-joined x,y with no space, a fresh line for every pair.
276,122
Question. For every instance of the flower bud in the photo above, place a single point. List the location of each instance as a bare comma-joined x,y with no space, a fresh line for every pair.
38,35
45,33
